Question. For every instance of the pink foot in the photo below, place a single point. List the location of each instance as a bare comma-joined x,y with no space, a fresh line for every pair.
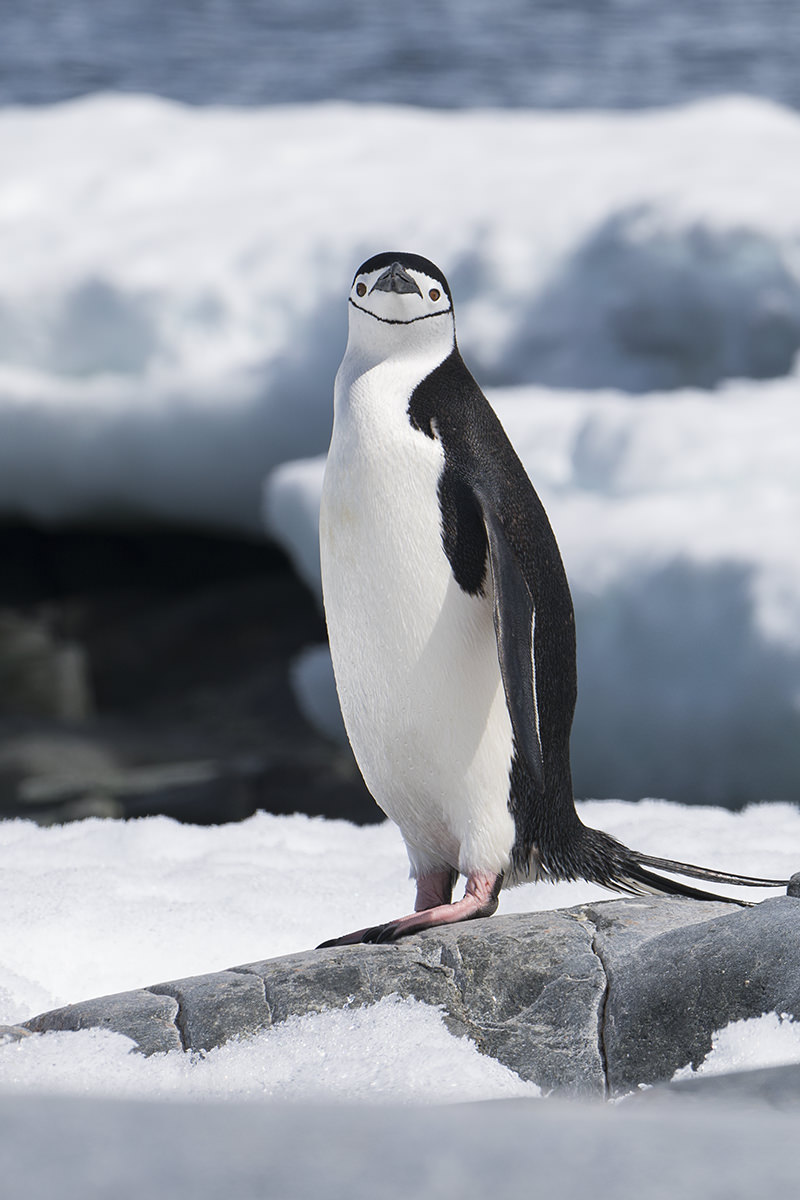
433,908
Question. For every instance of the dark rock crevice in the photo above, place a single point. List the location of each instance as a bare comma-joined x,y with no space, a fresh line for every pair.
179,1018
596,949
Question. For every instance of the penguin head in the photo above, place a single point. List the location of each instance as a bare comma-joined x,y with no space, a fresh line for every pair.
401,301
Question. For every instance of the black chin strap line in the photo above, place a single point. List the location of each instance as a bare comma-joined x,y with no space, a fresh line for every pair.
389,321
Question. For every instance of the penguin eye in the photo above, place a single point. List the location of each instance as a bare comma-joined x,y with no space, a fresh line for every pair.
361,289
434,293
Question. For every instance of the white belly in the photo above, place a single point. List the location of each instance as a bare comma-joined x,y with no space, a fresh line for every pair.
415,657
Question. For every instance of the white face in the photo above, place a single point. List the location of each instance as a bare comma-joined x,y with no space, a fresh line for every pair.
399,294
397,309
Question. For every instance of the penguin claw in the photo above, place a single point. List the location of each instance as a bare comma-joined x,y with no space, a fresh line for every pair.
376,935
480,900
403,927
391,931
348,939
379,933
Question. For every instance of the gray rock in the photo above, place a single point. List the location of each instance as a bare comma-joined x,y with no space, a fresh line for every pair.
199,786
148,1019
668,992
146,671
212,1009
597,998
622,925
13,1033
526,989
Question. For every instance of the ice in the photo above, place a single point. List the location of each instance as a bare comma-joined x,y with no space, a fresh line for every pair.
314,685
172,312
291,513
655,306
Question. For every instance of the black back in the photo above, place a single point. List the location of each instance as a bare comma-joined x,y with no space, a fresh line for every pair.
491,513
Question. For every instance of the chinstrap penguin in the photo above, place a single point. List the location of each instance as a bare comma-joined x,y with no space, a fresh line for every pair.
450,620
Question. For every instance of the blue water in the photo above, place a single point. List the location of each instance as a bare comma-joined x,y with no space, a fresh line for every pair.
432,53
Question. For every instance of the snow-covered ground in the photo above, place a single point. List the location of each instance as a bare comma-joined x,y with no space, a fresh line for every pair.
102,906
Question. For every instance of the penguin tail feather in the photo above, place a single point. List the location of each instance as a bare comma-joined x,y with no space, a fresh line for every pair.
638,881
680,868
634,876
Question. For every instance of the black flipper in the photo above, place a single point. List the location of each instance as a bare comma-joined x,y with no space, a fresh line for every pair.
513,624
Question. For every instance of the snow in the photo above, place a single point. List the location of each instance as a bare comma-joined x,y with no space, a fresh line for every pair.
101,906
394,1051
771,1040
174,309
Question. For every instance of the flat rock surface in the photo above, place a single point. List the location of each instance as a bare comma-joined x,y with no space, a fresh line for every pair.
586,1001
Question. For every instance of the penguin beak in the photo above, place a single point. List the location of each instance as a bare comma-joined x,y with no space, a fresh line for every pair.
395,279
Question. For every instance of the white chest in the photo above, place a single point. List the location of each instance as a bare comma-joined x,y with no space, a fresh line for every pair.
415,657
380,525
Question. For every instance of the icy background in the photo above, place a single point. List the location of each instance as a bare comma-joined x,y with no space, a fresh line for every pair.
100,906
171,316
176,309
627,286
